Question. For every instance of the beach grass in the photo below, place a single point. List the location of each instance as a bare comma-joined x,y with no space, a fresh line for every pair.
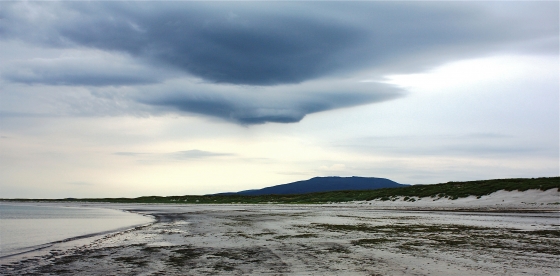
450,190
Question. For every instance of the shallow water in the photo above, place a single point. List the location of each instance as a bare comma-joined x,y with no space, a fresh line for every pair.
27,227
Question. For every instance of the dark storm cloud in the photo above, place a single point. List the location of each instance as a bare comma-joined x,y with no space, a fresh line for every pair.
278,104
257,62
244,113
228,43
273,43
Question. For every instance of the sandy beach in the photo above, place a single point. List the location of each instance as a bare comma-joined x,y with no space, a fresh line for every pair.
360,238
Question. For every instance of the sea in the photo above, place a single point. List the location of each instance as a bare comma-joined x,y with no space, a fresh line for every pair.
25,228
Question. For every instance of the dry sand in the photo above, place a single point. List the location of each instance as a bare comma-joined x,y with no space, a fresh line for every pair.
500,200
350,239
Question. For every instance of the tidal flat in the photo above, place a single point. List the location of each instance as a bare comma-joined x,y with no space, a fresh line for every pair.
274,239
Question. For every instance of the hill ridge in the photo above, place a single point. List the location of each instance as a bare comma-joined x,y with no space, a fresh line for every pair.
324,184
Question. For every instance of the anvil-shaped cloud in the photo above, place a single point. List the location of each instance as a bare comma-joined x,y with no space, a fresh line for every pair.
261,104
258,62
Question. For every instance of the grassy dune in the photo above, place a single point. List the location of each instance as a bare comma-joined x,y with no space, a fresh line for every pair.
452,190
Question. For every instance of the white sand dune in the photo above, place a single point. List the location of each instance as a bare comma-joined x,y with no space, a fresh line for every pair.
530,199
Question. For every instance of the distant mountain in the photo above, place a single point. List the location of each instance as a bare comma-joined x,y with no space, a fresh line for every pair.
324,184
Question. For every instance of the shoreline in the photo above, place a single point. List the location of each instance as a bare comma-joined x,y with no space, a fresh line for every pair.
312,240
70,241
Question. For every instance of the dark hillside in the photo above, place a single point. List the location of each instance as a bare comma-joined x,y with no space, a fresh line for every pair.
326,184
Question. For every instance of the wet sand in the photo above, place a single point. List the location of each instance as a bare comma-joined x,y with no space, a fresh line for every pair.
346,239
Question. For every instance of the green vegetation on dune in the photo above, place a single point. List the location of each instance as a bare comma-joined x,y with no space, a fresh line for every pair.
452,190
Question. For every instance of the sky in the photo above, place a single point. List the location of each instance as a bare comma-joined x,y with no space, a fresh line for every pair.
127,99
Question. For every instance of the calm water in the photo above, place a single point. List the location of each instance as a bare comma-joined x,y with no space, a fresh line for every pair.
25,227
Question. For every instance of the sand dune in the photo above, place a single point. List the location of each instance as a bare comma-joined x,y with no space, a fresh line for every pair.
500,200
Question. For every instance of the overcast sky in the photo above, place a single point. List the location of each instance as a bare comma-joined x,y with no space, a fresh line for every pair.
125,99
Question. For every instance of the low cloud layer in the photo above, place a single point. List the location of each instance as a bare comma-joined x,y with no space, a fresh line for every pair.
81,68
255,62
475,145
177,155
257,105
